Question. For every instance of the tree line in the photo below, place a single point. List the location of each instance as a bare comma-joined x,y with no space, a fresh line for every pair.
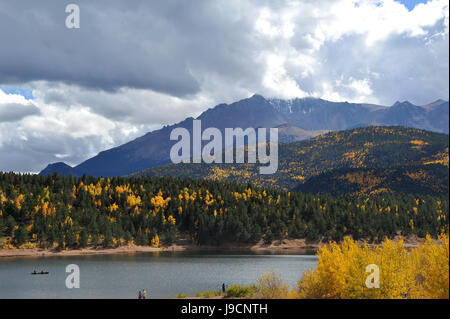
68,212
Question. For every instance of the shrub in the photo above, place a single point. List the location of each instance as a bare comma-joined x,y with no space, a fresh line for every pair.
271,286
238,291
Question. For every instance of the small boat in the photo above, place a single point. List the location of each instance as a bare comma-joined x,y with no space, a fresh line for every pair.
40,272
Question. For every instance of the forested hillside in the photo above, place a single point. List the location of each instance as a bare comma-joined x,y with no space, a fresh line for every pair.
368,147
66,212
424,179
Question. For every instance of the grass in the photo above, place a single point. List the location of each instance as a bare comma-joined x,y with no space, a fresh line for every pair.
208,294
239,291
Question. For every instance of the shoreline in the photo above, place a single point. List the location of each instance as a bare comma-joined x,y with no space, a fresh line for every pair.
286,246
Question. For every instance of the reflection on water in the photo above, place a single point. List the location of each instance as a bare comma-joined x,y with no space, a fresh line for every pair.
162,274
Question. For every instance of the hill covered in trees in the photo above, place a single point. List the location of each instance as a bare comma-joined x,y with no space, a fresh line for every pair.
376,149
67,212
424,179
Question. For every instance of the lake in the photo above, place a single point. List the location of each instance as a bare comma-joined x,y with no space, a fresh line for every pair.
162,274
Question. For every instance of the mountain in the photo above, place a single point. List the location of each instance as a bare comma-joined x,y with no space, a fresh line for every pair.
289,133
59,167
362,148
297,119
318,114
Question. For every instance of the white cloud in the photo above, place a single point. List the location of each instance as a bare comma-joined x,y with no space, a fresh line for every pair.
277,25
374,45
54,132
377,20
277,81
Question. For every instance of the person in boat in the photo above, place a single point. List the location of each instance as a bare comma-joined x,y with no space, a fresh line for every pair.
34,272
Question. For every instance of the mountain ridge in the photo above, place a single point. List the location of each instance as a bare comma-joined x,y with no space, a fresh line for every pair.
299,119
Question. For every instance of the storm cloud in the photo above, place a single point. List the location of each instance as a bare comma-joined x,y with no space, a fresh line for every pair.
136,44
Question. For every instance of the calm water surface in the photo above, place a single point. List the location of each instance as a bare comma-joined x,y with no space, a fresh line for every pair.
163,274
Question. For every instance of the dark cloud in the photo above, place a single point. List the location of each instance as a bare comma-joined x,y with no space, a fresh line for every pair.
179,48
12,112
139,44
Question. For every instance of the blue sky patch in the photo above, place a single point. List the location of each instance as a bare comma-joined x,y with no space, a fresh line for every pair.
26,93
410,4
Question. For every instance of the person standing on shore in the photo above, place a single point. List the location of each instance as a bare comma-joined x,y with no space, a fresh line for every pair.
144,293
139,295
223,288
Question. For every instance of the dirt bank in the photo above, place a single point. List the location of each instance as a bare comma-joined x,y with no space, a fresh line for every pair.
286,246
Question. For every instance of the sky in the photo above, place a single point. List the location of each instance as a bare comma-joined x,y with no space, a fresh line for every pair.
134,66
410,4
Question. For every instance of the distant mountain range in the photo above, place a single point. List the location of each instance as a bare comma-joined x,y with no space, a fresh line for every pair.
296,119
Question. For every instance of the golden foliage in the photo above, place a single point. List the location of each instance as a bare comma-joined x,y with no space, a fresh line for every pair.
159,202
133,200
155,241
439,158
171,220
68,221
419,175
419,142
2,197
363,178
431,269
341,271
